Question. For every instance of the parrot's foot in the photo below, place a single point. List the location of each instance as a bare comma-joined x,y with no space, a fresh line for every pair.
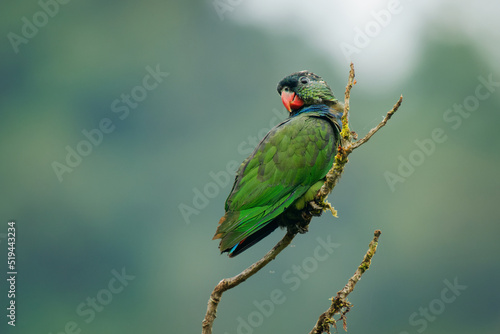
316,209
296,222
300,227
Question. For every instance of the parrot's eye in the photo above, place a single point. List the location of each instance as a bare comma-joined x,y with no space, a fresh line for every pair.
304,80
286,89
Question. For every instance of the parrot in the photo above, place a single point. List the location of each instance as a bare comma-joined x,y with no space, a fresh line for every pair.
274,185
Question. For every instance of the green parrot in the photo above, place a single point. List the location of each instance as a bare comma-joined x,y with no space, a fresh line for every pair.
274,185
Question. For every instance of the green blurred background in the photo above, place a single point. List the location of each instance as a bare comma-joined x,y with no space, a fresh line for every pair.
132,205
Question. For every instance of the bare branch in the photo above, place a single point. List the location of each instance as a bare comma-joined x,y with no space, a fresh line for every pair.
340,305
229,283
346,133
381,124
333,176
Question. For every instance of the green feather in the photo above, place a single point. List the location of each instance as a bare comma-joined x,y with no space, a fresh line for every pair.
278,173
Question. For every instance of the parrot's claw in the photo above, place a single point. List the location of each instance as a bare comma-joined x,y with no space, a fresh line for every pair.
317,209
315,206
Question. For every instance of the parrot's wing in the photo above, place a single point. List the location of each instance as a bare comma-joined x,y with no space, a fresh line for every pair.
292,157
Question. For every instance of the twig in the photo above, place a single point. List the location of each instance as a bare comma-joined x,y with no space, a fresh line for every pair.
345,133
333,176
381,124
340,305
229,283
347,146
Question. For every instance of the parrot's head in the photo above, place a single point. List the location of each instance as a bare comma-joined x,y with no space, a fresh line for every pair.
304,88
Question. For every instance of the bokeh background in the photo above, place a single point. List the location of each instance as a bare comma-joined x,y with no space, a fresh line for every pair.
145,200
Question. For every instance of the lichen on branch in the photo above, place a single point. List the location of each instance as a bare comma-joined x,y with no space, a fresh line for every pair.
340,304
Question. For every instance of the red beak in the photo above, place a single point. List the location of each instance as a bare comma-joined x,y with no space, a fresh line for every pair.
291,101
